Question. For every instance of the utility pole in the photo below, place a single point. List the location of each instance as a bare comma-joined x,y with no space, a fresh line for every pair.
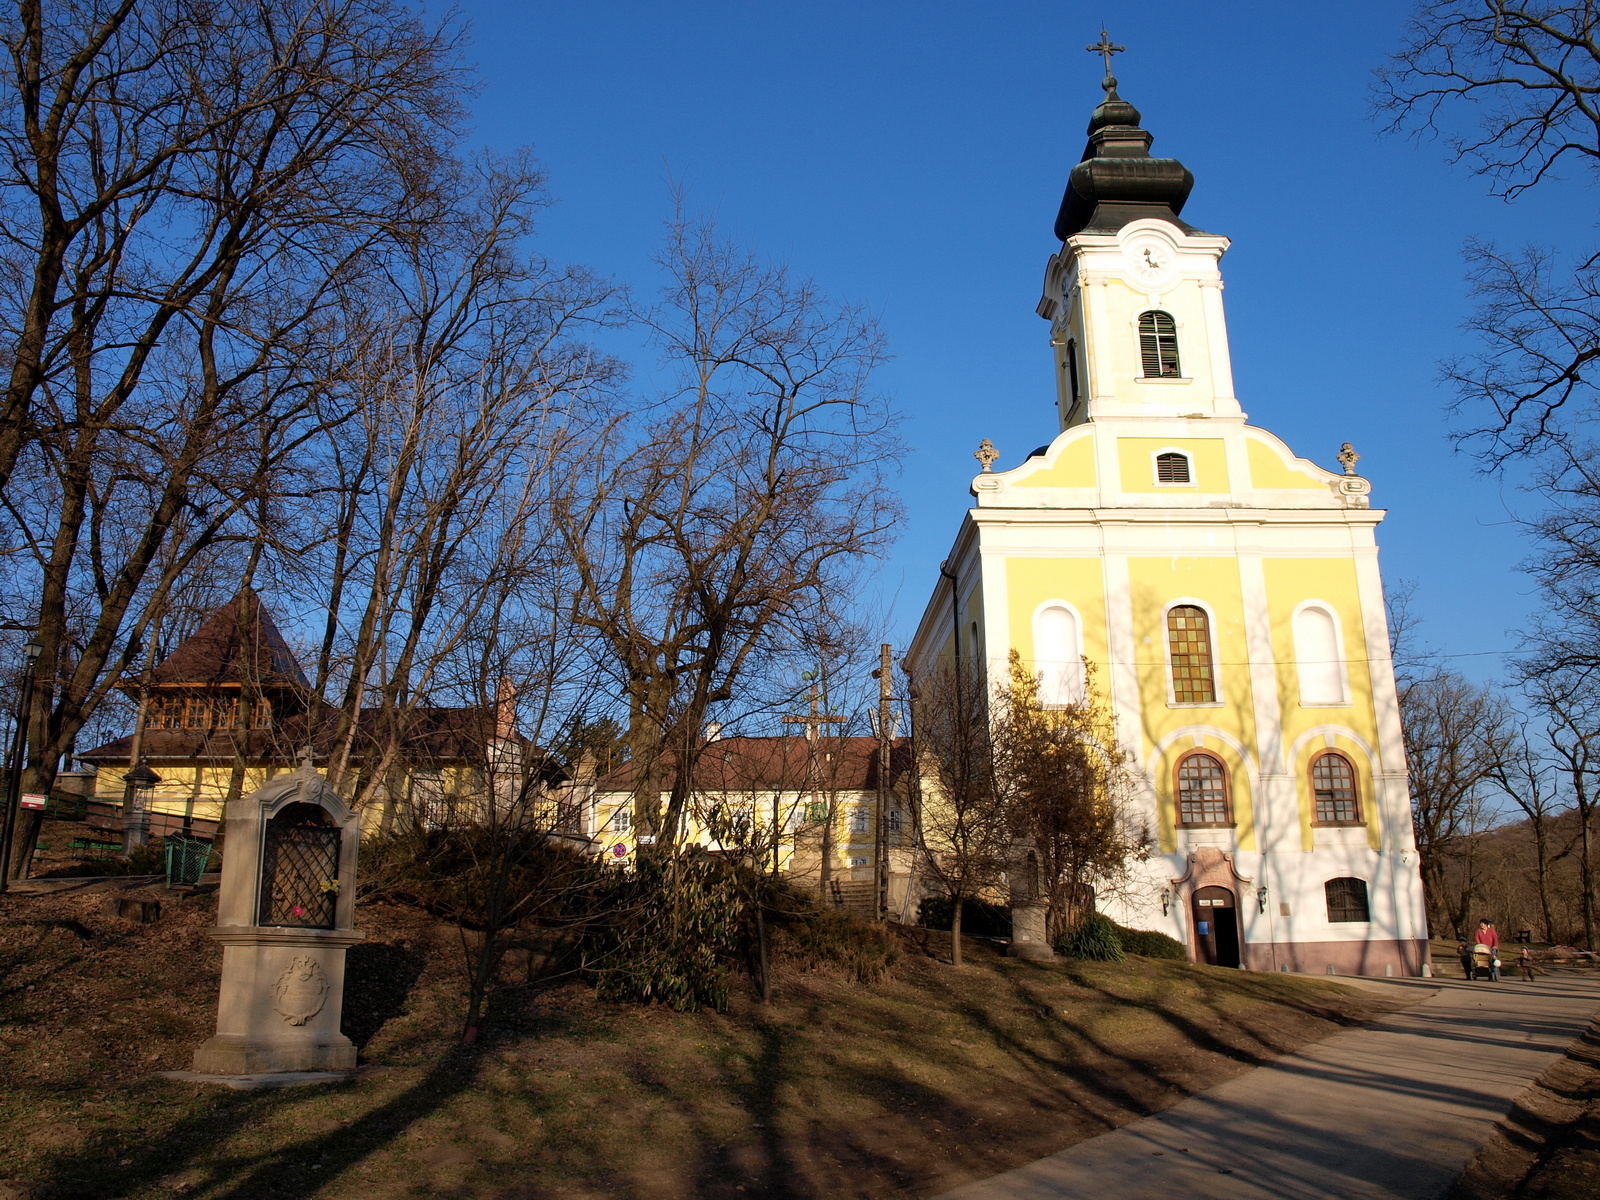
135,820
814,723
885,676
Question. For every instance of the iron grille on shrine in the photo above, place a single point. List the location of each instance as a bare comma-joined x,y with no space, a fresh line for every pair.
300,869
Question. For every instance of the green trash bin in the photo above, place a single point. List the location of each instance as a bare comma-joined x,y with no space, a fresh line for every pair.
186,859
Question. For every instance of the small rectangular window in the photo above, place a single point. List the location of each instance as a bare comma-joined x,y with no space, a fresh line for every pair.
859,862
858,821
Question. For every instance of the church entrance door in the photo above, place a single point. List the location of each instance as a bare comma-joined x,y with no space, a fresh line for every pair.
1216,926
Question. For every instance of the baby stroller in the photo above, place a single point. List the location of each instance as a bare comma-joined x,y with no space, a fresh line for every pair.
1485,963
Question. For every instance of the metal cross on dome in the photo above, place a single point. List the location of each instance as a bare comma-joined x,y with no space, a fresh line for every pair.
1105,49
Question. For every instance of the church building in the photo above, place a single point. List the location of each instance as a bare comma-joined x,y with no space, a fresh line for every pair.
1226,591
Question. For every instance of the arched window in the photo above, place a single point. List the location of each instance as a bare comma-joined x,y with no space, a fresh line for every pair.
1333,790
1173,467
1347,900
1158,345
1317,657
1072,374
1058,656
1189,647
1202,790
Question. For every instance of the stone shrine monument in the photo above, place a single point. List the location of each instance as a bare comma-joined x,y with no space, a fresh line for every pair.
284,918
1030,936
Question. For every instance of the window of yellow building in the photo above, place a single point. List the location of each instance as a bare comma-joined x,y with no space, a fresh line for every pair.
1189,641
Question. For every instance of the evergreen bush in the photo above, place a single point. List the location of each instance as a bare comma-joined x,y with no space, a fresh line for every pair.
666,932
832,942
1147,943
1096,939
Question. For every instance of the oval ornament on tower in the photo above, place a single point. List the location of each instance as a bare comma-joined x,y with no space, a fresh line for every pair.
301,990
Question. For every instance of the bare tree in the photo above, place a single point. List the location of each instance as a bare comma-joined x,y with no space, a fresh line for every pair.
1514,89
1565,690
964,827
1455,736
1529,780
186,186
709,528
478,383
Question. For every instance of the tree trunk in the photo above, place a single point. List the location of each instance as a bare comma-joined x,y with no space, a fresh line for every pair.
955,931
761,950
1586,873
1541,850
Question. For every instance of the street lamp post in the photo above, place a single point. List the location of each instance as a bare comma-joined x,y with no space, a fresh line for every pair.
140,781
19,746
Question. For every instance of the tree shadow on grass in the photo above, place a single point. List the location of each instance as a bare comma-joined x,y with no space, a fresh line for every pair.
378,977
296,1169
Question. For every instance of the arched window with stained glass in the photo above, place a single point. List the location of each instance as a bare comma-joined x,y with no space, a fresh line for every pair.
1189,655
1202,788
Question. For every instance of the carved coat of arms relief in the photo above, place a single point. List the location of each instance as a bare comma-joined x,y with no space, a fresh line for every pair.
301,990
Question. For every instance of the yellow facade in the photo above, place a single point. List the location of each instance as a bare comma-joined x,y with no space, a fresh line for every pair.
1157,493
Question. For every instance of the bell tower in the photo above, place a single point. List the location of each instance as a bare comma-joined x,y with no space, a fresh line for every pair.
1134,295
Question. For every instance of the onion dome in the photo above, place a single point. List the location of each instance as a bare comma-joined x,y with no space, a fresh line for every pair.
1117,181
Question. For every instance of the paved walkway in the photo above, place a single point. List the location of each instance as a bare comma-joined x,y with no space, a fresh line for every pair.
1393,1109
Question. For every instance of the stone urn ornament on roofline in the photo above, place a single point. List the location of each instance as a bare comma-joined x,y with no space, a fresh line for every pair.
285,917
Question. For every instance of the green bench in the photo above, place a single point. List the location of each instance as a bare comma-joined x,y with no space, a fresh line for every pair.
95,849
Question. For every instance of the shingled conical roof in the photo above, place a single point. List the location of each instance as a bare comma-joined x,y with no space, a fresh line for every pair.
236,644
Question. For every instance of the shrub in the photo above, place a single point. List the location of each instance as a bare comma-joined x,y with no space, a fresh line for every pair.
1147,943
979,918
831,942
1095,939
666,931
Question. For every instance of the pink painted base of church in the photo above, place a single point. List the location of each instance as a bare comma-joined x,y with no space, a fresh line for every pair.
1387,957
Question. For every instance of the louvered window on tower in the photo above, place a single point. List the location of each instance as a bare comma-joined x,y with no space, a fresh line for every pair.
1172,468
1158,345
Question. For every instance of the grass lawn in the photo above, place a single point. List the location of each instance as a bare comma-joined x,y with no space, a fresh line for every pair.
931,1078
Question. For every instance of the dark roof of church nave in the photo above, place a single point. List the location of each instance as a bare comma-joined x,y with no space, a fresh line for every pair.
737,764
1117,181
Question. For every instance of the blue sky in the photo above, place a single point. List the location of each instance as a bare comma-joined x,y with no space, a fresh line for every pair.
912,156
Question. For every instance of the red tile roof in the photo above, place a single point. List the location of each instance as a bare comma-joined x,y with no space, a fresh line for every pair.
736,764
